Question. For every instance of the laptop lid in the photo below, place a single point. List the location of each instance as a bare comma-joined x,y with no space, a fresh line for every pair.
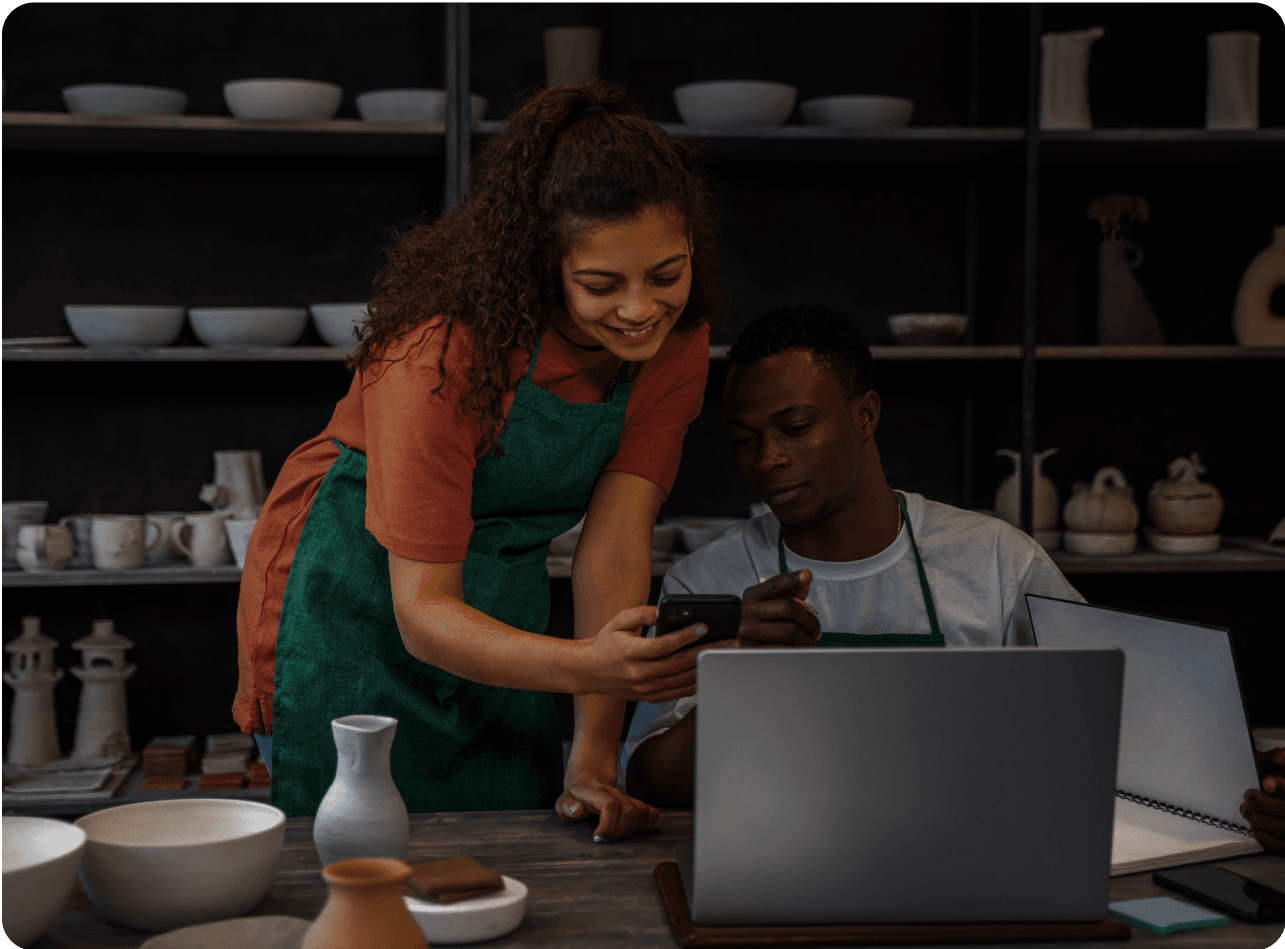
1184,735
904,785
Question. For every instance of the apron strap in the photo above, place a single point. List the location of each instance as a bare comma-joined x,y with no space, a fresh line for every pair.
535,354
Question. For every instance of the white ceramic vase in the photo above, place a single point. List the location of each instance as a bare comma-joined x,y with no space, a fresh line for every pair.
1253,322
1124,315
362,814
1231,89
1064,80
1008,496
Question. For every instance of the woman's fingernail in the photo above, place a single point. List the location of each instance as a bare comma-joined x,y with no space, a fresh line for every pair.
598,839
572,809
701,629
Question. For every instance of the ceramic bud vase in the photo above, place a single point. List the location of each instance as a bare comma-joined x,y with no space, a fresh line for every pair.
1008,496
1124,315
1231,90
1253,322
362,814
365,909
1064,80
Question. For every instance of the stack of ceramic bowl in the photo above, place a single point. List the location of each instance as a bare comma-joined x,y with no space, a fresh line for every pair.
1184,510
1102,517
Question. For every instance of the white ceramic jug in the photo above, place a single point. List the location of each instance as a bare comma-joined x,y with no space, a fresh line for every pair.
1064,79
238,487
362,814
1231,89
1008,496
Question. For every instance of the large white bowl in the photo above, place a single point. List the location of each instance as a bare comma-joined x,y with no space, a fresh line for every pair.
411,105
483,917
699,532
336,321
248,325
734,102
40,860
282,98
857,112
162,864
125,325
115,99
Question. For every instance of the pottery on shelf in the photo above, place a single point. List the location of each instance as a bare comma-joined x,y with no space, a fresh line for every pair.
1124,315
1182,503
1253,322
365,909
1105,506
1064,79
44,547
102,723
33,734
1090,544
362,813
238,487
1231,88
1181,543
571,54
1008,500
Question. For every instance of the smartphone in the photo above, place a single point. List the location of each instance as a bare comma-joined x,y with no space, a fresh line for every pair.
1225,891
721,612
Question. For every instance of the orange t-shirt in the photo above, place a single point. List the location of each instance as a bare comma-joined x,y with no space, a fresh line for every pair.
421,450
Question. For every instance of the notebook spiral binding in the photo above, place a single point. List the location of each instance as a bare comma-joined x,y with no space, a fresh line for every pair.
1178,811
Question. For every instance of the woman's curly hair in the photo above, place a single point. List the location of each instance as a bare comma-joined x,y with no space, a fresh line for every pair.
571,157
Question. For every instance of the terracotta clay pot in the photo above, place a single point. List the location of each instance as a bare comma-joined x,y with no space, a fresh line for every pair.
365,909
1104,507
1182,503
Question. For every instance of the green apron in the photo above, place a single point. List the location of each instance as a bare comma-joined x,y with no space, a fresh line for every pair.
459,745
883,640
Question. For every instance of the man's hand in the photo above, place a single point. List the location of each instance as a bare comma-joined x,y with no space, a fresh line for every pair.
619,815
1265,809
774,613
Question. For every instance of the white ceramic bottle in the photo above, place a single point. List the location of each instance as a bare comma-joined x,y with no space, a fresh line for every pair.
362,814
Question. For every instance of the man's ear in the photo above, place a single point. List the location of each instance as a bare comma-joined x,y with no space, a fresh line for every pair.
865,413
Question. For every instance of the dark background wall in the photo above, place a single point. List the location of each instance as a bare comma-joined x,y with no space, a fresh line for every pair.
868,238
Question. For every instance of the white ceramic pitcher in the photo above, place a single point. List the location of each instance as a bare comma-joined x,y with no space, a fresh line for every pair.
238,488
1064,79
1231,89
362,814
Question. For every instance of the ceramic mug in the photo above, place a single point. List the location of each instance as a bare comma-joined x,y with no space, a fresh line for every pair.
44,547
120,541
204,539
167,551
239,530
82,528
17,513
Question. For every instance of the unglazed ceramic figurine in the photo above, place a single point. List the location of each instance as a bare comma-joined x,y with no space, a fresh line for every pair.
362,814
1253,322
1064,79
365,909
102,722
1105,507
1183,504
238,489
33,735
1008,496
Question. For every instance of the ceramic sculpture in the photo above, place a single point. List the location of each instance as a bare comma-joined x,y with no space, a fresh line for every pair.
238,487
362,814
1182,503
1253,322
33,734
102,720
1101,518
1008,498
1124,315
365,909
1064,79
1231,89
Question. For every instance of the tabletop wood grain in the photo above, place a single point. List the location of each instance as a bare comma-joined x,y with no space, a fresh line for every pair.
583,895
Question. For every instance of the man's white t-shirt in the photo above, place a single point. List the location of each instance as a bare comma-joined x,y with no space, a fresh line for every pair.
979,569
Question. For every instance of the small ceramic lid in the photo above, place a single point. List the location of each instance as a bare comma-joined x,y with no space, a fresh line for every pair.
104,638
31,640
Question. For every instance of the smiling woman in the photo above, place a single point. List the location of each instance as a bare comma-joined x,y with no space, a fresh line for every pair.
531,357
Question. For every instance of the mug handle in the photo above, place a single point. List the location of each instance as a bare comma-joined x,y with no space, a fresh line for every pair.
177,534
160,534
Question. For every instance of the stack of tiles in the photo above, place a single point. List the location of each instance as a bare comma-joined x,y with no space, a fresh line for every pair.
259,776
166,761
225,762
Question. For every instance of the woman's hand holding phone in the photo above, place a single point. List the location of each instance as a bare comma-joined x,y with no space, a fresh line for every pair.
624,664
775,614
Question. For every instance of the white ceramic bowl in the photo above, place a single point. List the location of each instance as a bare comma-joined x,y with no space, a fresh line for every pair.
857,112
733,102
699,532
928,329
115,99
411,105
125,325
564,545
1094,544
40,860
483,917
239,530
335,322
282,98
248,325
162,864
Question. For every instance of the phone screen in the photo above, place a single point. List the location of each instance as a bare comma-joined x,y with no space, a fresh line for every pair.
1228,891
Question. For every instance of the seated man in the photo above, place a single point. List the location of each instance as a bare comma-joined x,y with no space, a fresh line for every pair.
841,559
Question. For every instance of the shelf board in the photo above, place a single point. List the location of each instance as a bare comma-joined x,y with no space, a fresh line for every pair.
144,576
1162,144
1228,559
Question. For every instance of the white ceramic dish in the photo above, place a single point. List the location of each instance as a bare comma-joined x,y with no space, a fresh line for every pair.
40,860
249,932
282,98
1181,543
1090,544
857,112
115,99
335,322
125,325
162,864
412,105
699,532
564,545
928,329
238,531
733,102
248,325
483,917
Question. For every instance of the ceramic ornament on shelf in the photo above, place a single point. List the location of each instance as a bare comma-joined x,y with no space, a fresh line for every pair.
102,722
1184,510
1008,498
33,733
1124,315
1231,88
238,487
1253,322
1101,518
1064,80
362,813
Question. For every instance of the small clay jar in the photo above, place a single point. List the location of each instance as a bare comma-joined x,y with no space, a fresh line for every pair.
365,909
1182,503
1104,507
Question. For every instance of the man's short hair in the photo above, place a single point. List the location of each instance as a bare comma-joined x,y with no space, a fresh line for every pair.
833,339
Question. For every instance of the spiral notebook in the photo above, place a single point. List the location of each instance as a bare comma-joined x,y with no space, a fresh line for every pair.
1186,753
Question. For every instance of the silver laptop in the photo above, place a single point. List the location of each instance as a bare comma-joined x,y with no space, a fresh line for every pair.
904,785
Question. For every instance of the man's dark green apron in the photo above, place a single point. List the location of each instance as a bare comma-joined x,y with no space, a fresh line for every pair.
883,640
459,745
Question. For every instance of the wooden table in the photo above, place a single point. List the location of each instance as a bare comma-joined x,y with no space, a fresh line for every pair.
584,895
